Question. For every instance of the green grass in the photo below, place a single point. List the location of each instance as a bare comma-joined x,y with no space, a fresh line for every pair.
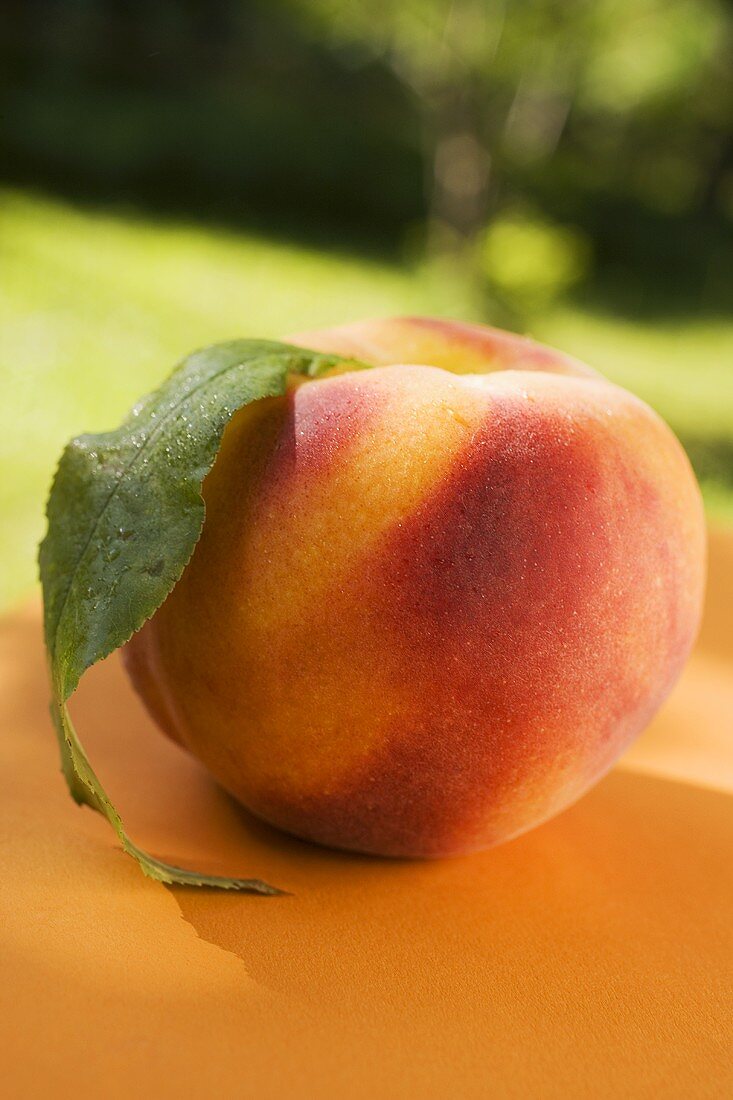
96,308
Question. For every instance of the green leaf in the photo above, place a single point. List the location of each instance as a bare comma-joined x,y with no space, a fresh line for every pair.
124,515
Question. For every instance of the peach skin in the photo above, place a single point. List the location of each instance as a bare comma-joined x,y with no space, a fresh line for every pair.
432,601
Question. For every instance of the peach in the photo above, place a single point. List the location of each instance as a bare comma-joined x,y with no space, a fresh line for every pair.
432,601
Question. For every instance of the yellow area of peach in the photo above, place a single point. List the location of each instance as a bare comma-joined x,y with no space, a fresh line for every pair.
266,629
314,530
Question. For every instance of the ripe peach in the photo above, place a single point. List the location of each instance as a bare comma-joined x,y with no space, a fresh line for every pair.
431,603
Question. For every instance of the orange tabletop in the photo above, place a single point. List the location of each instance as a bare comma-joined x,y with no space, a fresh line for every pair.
590,958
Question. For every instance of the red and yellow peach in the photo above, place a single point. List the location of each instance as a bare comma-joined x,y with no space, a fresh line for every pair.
431,603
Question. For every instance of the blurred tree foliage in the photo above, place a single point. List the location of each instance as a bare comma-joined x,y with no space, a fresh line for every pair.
535,144
224,110
616,114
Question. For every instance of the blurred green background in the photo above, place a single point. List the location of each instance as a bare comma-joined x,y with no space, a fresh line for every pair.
172,174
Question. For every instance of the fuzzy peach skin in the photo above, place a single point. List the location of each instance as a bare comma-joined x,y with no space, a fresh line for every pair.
432,601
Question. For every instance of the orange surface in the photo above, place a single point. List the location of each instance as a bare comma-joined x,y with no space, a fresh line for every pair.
591,957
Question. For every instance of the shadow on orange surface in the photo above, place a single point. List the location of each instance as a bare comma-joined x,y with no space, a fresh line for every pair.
589,957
